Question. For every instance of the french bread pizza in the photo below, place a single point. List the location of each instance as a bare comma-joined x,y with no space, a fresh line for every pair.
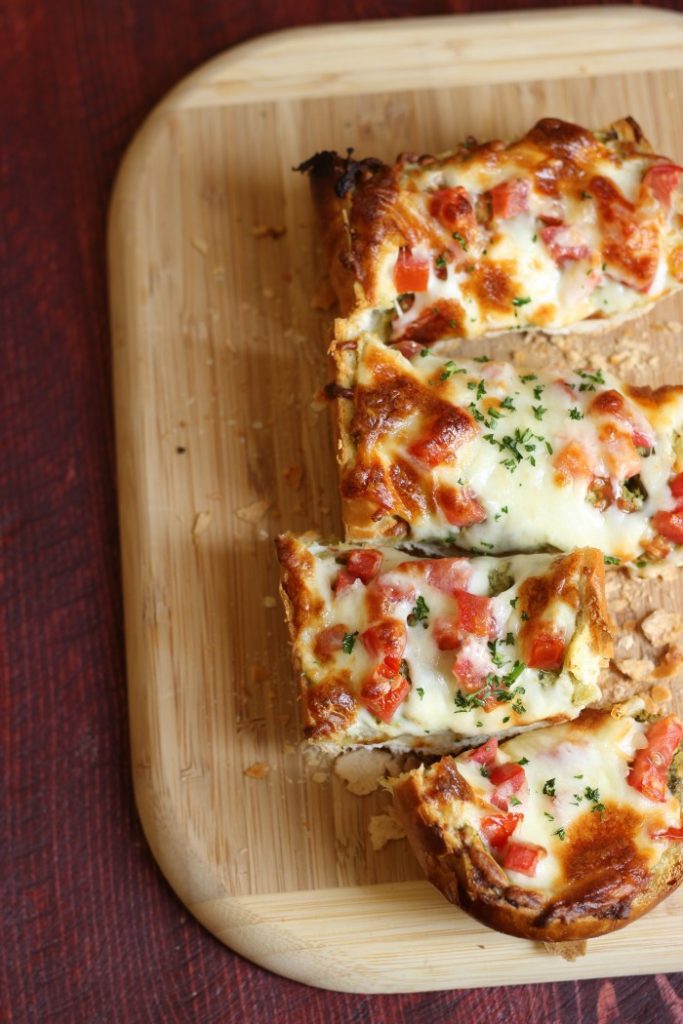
560,228
489,458
433,654
558,834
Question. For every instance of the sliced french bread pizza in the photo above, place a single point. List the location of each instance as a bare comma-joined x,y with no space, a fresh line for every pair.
557,834
563,228
490,458
434,654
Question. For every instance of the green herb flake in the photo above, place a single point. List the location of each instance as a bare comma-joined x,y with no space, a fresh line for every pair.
484,771
462,242
550,817
611,560
420,692
521,300
424,352
528,377
538,391
523,760
560,833
590,381
575,413
420,613
515,801
539,411
549,787
482,359
450,368
348,642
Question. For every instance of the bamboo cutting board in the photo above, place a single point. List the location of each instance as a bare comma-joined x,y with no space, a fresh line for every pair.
222,443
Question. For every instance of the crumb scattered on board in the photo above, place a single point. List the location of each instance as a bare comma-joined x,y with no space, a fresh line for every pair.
362,770
257,770
567,950
201,522
383,829
254,512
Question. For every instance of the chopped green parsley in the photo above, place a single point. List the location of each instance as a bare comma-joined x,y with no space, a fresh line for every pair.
348,641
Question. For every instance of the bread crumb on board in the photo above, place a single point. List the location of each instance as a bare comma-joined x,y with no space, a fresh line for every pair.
567,950
661,627
201,522
257,770
383,829
362,770
254,512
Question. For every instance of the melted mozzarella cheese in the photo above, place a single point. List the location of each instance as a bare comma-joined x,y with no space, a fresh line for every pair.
521,476
551,295
587,769
435,708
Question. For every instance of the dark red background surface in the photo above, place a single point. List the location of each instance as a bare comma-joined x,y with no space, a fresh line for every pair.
91,930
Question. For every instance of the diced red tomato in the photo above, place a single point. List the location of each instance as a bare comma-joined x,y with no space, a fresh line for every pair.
662,180
676,485
411,273
667,833
470,677
572,462
448,574
670,524
631,244
475,613
510,198
344,580
453,209
545,650
523,857
384,692
619,452
498,829
460,506
508,779
565,243
384,593
486,753
566,387
385,639
446,634
328,641
364,564
651,765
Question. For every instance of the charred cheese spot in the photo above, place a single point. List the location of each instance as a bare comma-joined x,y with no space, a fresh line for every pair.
602,868
298,567
443,318
544,315
565,141
492,286
331,709
446,783
537,593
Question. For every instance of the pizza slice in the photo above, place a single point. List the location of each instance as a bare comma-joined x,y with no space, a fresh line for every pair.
429,654
490,458
557,834
563,228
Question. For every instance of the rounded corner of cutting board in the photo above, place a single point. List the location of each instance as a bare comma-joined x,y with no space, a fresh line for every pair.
278,932
263,931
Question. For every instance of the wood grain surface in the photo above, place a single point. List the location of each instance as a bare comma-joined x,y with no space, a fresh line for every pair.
90,930
222,440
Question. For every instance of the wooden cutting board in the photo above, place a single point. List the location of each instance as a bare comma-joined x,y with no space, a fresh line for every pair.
222,443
